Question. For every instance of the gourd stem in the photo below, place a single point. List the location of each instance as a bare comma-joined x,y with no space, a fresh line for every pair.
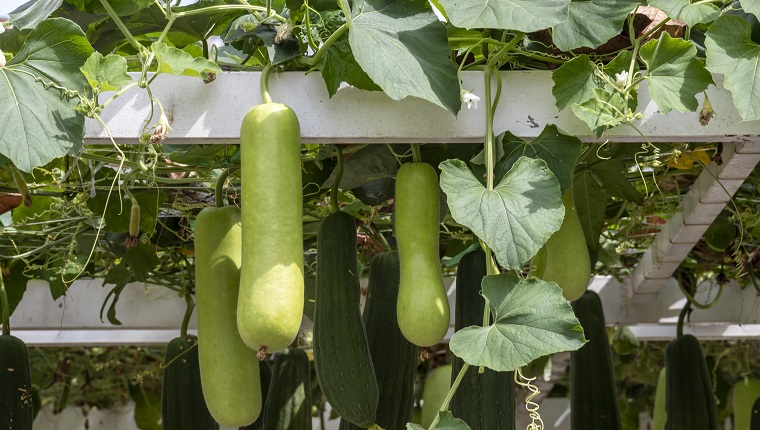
489,143
692,300
264,83
120,24
681,318
322,49
6,314
219,189
450,395
416,153
334,205
188,313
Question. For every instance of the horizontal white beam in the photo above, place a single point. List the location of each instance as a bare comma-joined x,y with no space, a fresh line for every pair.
212,113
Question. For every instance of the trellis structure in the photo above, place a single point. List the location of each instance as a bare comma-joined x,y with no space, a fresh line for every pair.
211,114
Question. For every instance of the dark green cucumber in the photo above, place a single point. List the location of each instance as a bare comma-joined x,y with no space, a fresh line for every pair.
689,400
265,374
754,421
341,352
16,412
288,404
592,383
394,358
485,401
182,403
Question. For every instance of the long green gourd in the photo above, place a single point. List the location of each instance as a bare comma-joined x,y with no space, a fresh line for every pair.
289,400
689,400
15,384
746,392
265,373
485,401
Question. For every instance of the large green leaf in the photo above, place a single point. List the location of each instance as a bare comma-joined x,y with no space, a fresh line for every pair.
38,123
338,65
370,163
591,23
178,62
531,319
602,112
404,49
446,421
33,12
610,173
520,15
574,82
751,6
691,13
514,219
731,52
141,260
674,73
121,7
116,215
15,284
559,151
590,203
107,73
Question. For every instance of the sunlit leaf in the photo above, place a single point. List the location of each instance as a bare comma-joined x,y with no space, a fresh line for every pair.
591,23
107,73
521,15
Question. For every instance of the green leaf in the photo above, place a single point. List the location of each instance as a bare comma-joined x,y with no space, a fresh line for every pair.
338,65
732,53
691,13
446,421
279,51
751,6
147,407
531,319
404,49
610,172
121,7
15,284
178,62
38,123
107,73
520,15
370,163
141,259
590,204
591,23
559,151
574,82
602,112
515,218
33,12
674,73
116,215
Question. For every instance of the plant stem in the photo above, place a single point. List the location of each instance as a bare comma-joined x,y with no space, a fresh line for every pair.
188,312
681,318
264,83
416,153
219,189
120,24
334,205
450,395
224,7
312,61
6,314
489,144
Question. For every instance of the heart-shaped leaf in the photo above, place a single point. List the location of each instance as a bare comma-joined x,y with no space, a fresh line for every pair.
520,15
691,13
446,421
178,62
591,23
107,73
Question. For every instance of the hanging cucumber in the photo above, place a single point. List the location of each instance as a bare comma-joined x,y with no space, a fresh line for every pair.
689,400
485,401
341,353
182,403
745,393
564,258
270,305
229,370
659,416
437,385
16,411
423,308
593,399
288,404
394,358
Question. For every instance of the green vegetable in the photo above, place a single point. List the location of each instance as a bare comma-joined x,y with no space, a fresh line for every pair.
593,399
659,416
689,400
754,423
182,404
341,352
423,308
437,385
394,358
270,306
229,370
289,401
485,401
564,259
746,392
15,384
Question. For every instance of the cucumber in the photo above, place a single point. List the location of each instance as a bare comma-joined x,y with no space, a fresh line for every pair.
754,422
182,404
423,307
289,400
564,259
485,401
341,353
659,416
394,358
689,400
593,399
746,392
270,306
16,412
265,374
437,385
229,370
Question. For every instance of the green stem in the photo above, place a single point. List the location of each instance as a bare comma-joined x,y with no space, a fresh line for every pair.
450,395
188,312
222,7
264,83
416,153
6,314
120,24
692,300
307,23
334,205
312,61
681,318
489,144
219,189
